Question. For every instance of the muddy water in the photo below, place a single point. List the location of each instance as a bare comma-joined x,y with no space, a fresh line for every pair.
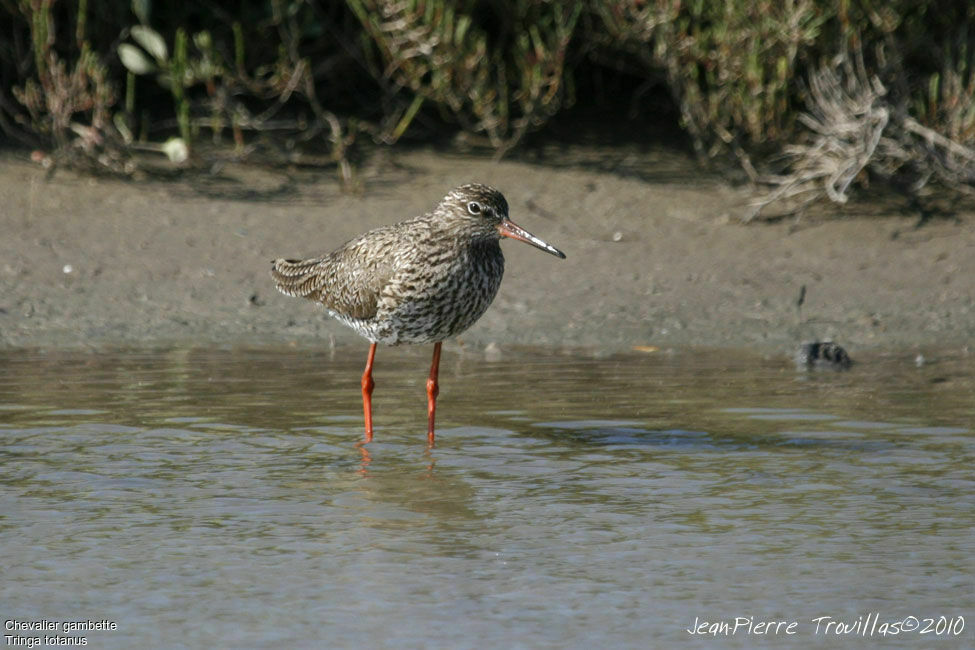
220,498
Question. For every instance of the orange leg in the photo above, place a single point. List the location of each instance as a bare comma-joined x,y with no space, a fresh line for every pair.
367,385
433,389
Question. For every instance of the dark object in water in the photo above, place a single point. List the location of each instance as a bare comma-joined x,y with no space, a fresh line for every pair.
822,354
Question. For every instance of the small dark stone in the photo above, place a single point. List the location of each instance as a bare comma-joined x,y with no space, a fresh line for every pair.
823,354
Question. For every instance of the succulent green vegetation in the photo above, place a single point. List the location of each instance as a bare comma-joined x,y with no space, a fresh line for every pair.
811,98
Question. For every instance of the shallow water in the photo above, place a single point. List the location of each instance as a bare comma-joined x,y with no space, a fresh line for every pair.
222,498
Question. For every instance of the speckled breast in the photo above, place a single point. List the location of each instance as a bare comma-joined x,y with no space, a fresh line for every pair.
442,301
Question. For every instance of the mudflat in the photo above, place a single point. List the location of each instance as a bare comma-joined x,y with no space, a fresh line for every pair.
656,257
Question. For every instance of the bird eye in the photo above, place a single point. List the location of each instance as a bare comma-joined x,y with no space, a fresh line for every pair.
474,207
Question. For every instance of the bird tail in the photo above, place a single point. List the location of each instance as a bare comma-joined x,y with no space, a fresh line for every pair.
299,278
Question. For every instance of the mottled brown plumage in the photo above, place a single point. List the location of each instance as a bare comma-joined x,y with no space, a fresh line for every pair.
422,280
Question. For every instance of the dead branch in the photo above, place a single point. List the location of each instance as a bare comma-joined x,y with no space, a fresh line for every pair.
854,125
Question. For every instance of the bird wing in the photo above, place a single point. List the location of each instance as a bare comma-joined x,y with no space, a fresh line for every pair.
349,280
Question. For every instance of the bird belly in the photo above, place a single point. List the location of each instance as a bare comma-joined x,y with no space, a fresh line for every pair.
368,328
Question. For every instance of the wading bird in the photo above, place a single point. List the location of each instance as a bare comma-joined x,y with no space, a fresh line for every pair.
422,280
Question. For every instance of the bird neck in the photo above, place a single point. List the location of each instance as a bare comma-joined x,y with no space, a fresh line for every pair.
485,248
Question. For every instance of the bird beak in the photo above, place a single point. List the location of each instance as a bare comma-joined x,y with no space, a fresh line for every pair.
508,228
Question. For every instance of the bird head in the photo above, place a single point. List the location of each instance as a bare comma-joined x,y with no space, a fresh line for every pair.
484,211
